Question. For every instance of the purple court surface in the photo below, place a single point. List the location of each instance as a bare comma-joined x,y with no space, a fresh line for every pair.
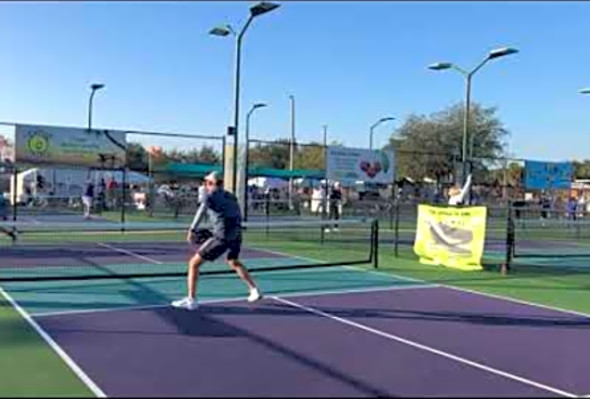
417,341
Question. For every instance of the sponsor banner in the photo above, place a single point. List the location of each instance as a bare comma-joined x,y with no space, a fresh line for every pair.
452,237
55,145
349,165
548,175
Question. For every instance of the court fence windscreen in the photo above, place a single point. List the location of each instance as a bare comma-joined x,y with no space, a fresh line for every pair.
32,252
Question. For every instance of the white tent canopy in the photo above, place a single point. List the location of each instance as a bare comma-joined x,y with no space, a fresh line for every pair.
268,182
70,182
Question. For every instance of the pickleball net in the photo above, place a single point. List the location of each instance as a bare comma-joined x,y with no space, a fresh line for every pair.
551,238
98,250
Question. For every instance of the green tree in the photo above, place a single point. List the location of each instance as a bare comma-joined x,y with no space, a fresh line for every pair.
582,169
310,157
137,157
270,155
430,146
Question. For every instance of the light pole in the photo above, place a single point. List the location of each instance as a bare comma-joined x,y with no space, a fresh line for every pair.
380,121
255,11
247,161
94,87
439,66
291,150
325,141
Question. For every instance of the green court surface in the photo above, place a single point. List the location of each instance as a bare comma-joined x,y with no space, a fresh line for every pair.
30,367
45,297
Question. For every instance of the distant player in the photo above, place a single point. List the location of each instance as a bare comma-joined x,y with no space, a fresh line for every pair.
225,216
457,195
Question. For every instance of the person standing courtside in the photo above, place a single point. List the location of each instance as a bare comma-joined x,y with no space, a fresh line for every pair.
224,213
457,194
87,198
335,201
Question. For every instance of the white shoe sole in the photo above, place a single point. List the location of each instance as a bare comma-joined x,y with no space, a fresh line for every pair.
252,300
184,307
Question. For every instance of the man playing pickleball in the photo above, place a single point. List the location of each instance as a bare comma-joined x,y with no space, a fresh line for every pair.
225,216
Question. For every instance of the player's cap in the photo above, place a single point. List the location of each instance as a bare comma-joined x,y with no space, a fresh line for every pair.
212,177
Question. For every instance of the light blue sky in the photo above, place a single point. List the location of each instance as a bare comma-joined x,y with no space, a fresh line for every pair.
347,63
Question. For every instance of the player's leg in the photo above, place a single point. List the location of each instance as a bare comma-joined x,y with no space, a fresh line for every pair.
192,279
209,251
234,262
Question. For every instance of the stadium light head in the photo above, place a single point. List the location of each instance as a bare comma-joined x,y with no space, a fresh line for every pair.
585,90
262,8
440,66
501,52
221,31
96,86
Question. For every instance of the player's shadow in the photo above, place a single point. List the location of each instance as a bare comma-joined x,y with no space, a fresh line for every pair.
350,313
205,323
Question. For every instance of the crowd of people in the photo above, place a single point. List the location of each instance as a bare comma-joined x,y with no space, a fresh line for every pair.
549,207
312,198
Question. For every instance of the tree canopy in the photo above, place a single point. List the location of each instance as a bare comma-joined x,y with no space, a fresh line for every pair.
429,147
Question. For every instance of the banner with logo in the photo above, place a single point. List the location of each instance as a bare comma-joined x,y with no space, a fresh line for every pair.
452,237
548,175
55,145
349,165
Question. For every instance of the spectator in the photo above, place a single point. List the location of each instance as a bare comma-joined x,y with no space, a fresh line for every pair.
335,199
581,206
87,198
545,207
318,200
570,208
457,194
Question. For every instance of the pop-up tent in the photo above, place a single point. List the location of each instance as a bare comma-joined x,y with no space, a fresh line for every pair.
70,182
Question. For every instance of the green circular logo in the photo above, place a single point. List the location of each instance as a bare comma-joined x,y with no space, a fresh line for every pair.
38,143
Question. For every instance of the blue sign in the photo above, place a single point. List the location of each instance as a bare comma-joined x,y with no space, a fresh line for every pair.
548,175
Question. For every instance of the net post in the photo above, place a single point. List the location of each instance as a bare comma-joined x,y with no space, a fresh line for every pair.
396,228
123,197
267,211
14,201
391,208
510,231
375,244
246,178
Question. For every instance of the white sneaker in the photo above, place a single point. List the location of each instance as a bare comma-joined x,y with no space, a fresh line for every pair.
255,295
186,303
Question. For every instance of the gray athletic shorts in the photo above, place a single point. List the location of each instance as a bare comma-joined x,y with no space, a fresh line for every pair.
214,247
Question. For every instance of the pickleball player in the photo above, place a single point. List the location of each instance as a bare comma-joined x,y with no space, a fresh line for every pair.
223,212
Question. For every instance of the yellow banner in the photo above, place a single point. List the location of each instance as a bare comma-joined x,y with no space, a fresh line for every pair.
452,237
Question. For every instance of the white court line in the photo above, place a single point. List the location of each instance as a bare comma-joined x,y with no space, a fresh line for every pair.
124,251
230,300
54,345
425,348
